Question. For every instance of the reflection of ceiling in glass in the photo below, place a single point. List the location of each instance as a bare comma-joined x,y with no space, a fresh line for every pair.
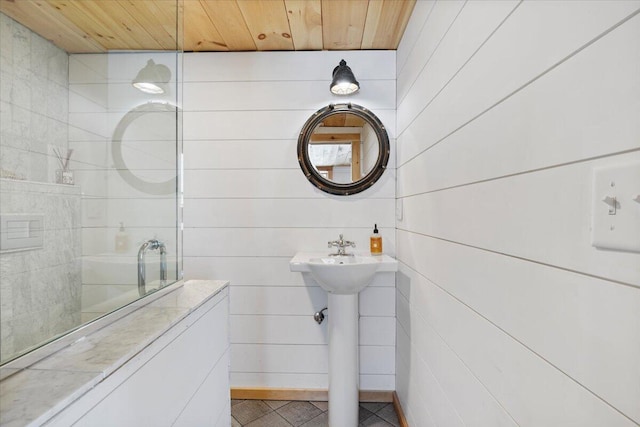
330,154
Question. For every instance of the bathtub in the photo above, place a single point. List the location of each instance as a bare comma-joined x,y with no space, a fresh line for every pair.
111,281
109,298
143,351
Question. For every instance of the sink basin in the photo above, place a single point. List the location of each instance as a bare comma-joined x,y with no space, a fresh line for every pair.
342,274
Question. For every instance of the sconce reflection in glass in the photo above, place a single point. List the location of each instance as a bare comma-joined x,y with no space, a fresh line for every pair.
153,78
344,82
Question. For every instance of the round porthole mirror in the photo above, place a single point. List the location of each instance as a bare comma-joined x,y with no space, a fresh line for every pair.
343,149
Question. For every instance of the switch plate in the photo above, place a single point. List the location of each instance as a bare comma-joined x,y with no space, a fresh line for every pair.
20,232
399,209
615,207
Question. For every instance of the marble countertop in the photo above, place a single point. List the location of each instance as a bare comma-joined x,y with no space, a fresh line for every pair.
35,394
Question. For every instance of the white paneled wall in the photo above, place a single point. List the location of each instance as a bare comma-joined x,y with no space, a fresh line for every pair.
248,208
506,315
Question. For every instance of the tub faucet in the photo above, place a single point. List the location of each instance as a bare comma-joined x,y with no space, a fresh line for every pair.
152,244
341,244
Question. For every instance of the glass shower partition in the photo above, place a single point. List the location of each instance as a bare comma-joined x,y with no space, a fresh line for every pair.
128,146
90,173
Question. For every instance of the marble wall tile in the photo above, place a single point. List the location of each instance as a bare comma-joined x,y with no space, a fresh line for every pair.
21,90
40,96
41,288
6,338
21,49
6,43
6,298
20,124
34,83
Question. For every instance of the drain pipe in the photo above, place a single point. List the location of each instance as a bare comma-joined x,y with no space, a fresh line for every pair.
318,316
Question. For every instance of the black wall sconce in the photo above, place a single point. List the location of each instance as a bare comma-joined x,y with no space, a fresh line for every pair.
344,82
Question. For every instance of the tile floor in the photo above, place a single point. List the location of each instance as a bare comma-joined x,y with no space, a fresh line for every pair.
278,413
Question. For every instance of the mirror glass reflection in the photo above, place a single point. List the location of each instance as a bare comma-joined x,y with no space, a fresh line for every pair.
149,146
144,150
343,148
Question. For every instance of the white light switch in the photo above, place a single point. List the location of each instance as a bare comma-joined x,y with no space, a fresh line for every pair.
615,207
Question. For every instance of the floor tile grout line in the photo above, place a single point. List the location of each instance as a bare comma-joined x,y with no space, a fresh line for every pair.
375,413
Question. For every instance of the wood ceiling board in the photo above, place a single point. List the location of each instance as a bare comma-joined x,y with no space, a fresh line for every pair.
86,19
83,26
43,19
374,14
343,120
113,15
385,24
305,21
335,120
332,138
228,19
107,37
268,23
343,23
157,17
199,32
351,120
174,14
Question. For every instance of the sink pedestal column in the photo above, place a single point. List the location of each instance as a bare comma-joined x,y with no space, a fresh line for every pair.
343,360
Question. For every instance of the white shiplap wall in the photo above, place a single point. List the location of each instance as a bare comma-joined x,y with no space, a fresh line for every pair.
506,314
248,208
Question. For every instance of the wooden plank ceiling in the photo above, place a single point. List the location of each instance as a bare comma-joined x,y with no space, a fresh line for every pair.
88,26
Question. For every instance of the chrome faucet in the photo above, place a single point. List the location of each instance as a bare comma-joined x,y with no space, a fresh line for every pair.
341,244
152,244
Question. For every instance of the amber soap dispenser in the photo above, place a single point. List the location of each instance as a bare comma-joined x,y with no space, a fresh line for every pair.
375,242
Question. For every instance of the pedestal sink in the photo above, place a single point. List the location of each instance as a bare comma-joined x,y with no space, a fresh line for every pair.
343,277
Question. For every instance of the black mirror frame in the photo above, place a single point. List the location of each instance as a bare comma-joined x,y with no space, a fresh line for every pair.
368,180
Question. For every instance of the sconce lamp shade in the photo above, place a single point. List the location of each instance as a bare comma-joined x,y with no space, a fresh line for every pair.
153,78
344,82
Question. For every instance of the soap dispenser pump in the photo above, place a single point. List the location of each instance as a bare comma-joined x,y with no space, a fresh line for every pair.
122,240
376,242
